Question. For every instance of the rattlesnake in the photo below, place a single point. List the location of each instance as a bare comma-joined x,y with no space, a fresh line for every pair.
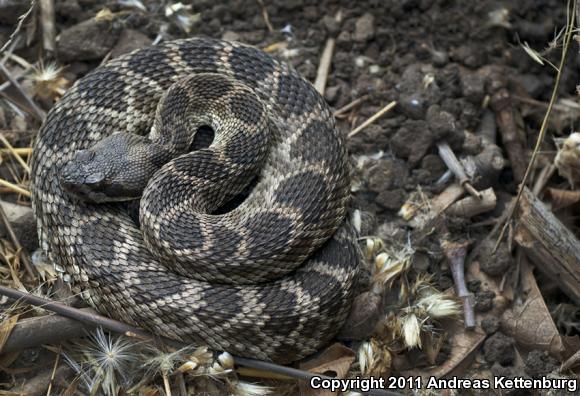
273,277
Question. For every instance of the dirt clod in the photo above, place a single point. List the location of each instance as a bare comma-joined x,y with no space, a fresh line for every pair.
484,301
499,348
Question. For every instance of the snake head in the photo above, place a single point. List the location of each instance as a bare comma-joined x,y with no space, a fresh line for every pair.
115,169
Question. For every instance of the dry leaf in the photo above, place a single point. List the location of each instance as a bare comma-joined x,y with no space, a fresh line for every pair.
335,359
562,198
530,323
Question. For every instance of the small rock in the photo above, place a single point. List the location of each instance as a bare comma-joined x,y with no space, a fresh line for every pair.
494,264
230,36
331,25
439,58
434,166
499,348
473,87
412,141
23,224
367,84
413,105
490,325
344,42
474,285
386,174
88,40
364,28
484,301
391,199
540,363
441,123
129,40
331,94
470,56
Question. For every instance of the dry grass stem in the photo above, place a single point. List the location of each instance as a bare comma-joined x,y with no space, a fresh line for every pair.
56,362
324,66
15,188
373,118
266,16
350,105
12,151
20,151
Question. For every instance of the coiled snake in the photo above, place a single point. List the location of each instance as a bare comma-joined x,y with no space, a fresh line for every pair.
271,278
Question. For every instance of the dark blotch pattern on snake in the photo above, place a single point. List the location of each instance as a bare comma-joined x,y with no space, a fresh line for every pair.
272,278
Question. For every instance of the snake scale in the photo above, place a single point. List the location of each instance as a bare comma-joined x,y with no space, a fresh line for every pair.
271,278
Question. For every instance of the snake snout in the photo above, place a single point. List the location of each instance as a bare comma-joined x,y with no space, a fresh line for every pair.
79,177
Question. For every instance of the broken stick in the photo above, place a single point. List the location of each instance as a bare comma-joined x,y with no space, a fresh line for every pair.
551,247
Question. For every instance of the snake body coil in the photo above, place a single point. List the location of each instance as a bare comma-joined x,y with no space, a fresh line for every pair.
272,278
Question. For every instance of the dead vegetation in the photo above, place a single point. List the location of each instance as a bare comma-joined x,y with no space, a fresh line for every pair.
465,175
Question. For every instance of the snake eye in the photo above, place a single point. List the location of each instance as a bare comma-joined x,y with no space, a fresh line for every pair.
94,178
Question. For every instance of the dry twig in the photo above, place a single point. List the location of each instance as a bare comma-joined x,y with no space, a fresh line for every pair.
448,156
373,118
118,327
11,149
13,187
456,253
266,16
567,39
48,25
552,247
21,20
350,105
37,111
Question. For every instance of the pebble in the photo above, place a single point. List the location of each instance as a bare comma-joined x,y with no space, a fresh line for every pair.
230,36
364,28
413,105
331,25
412,141
88,40
441,123
391,199
499,348
472,87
